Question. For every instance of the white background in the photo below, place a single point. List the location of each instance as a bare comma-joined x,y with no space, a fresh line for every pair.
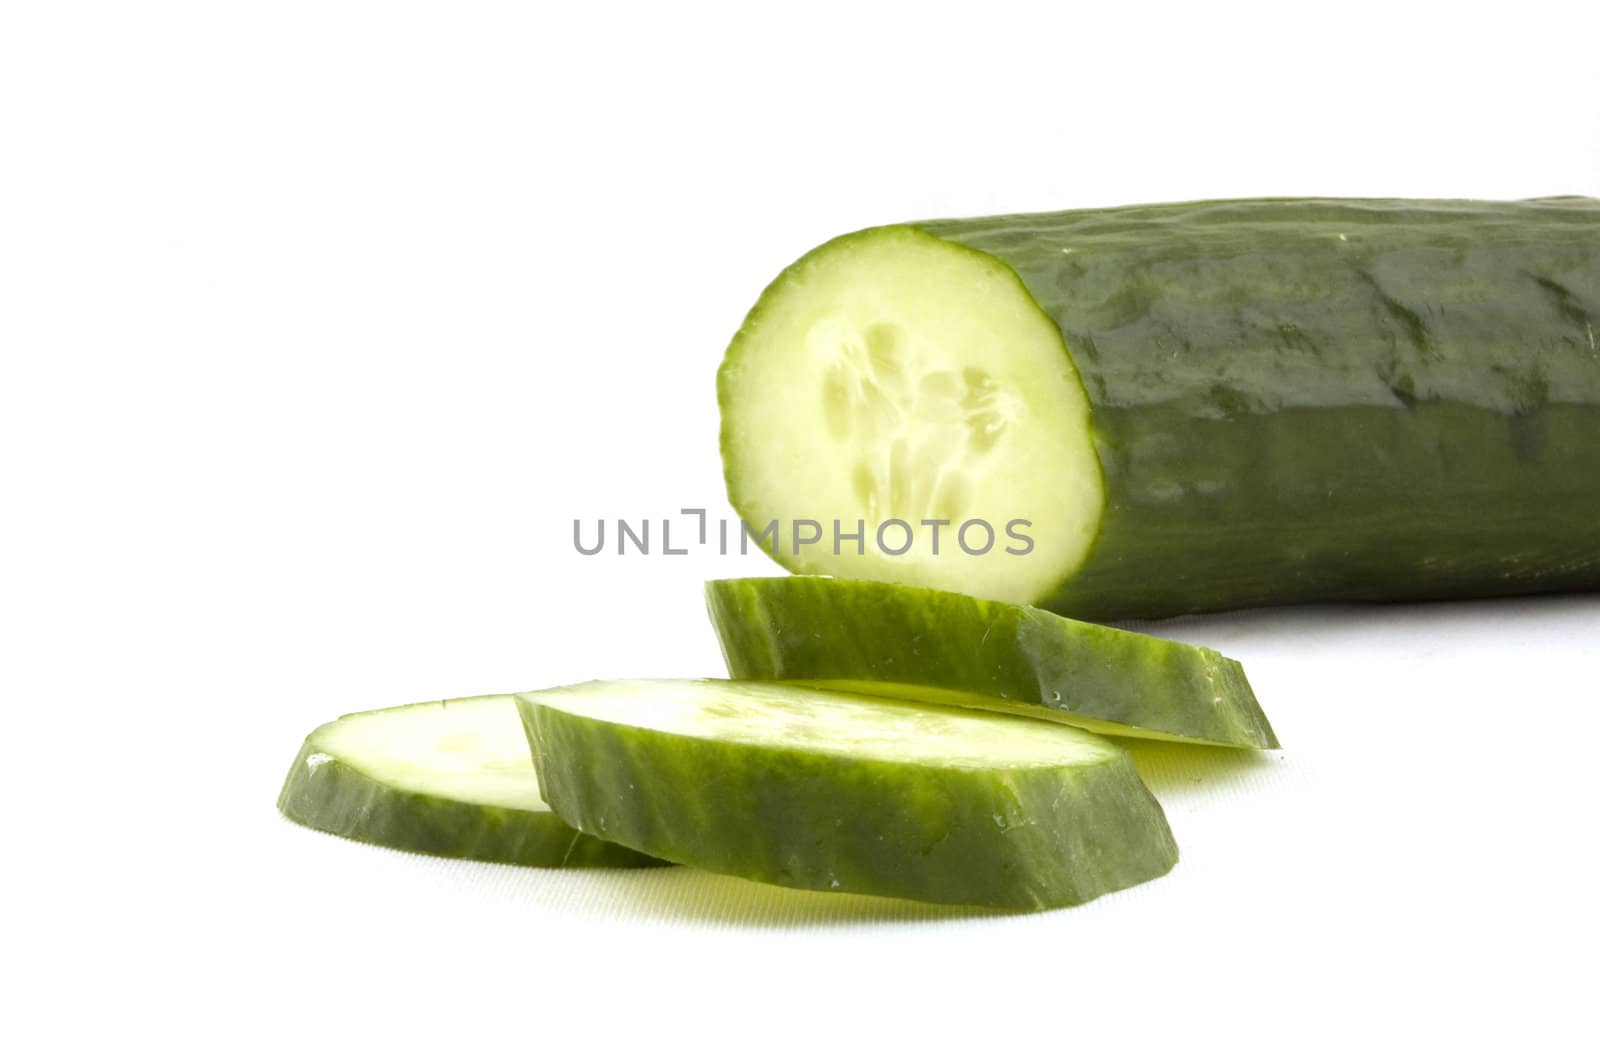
320,322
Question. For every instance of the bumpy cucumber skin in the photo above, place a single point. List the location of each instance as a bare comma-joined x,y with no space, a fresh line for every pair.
1028,839
816,629
330,795
1299,400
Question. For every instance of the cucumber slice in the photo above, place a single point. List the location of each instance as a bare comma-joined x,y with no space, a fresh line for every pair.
1194,406
939,646
452,778
830,791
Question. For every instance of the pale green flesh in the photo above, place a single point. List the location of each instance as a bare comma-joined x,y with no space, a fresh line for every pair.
891,375
469,749
970,700
836,723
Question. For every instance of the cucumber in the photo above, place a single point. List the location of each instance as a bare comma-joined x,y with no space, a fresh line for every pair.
1162,409
830,791
945,647
452,778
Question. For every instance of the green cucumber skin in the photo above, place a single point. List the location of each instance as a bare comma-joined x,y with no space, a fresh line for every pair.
806,629
337,798
1310,399
804,820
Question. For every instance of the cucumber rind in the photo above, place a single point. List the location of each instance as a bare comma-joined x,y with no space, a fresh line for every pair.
1018,838
328,793
949,648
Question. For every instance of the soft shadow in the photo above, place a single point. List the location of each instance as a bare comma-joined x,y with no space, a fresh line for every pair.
1319,622
691,896
672,893
1183,770
666,895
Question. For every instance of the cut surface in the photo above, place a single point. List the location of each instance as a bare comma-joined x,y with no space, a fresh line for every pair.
466,749
829,722
904,387
944,696
452,778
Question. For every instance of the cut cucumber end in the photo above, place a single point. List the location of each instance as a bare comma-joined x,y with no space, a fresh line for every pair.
904,386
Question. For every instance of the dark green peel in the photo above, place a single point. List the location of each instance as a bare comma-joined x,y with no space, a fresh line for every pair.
946,647
834,792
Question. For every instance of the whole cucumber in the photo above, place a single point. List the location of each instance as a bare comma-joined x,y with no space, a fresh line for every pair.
1185,407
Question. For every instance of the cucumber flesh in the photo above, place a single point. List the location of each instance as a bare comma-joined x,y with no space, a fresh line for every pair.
939,646
452,778
831,791
894,376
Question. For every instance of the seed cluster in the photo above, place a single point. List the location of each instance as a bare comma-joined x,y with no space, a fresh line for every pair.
915,429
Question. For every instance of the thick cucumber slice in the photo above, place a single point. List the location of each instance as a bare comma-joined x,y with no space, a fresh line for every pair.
830,791
945,647
452,778
1193,406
